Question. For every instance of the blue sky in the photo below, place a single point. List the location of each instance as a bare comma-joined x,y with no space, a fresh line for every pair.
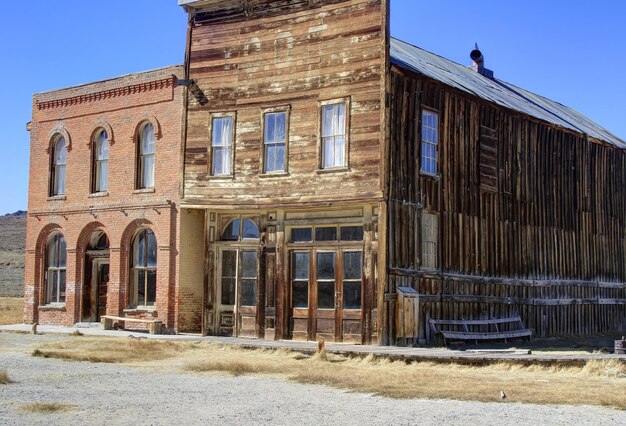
571,51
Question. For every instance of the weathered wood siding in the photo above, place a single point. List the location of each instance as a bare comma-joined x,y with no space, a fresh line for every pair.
287,53
543,238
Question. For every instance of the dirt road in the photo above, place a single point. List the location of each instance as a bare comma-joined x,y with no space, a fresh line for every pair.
119,394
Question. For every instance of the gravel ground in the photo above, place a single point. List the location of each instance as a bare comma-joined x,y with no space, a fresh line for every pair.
115,394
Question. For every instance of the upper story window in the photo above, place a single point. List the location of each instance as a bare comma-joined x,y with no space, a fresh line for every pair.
100,162
222,135
274,141
145,165
56,261
430,138
143,269
57,168
334,135
240,229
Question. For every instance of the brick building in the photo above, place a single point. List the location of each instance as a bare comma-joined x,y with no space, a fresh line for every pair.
103,195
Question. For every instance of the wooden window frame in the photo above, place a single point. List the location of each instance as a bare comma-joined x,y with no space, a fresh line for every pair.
57,270
264,112
347,101
54,168
213,116
140,163
318,243
96,163
423,242
437,144
133,295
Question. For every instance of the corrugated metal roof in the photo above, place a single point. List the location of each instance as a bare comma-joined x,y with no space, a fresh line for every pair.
497,91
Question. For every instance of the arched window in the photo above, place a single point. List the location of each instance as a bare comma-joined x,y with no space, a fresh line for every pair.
100,162
57,168
240,230
56,260
145,165
143,269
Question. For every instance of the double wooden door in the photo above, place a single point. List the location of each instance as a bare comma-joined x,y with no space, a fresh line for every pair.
326,295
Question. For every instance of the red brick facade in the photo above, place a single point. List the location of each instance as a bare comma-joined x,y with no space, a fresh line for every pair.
121,107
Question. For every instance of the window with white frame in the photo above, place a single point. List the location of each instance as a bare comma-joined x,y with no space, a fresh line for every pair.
222,146
57,169
274,141
334,135
430,231
143,279
101,162
146,157
56,261
430,138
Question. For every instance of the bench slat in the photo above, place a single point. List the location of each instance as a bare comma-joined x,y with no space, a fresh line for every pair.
475,322
461,335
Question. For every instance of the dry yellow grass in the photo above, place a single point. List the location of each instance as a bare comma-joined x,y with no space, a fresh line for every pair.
11,310
110,350
46,407
4,377
597,383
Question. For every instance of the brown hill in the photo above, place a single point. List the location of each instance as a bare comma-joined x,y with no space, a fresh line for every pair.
12,243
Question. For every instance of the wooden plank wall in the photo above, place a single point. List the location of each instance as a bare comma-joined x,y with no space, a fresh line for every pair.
547,243
287,53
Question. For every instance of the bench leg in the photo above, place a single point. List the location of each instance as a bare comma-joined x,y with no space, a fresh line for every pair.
107,323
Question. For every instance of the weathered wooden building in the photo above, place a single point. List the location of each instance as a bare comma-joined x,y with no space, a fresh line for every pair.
326,164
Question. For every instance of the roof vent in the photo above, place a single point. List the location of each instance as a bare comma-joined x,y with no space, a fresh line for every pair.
479,62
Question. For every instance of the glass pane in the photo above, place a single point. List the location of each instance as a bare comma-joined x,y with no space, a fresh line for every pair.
326,233
221,161
53,282
352,294
327,120
339,155
248,293
326,295
102,146
222,131
139,249
141,286
280,157
300,294
248,264
326,266
328,159
281,121
301,234
151,287
151,248
103,175
148,171
53,252
60,152
147,139
228,291
300,266
229,264
270,158
60,180
270,121
62,251
340,119
250,230
62,285
352,265
351,233
231,233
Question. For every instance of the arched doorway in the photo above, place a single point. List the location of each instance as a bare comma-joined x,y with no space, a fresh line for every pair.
95,284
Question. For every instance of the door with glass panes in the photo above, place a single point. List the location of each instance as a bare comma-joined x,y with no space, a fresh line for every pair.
237,292
326,294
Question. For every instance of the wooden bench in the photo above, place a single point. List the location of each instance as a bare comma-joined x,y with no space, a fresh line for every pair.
488,329
154,326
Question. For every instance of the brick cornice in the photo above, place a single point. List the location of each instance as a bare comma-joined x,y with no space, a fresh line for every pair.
107,94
